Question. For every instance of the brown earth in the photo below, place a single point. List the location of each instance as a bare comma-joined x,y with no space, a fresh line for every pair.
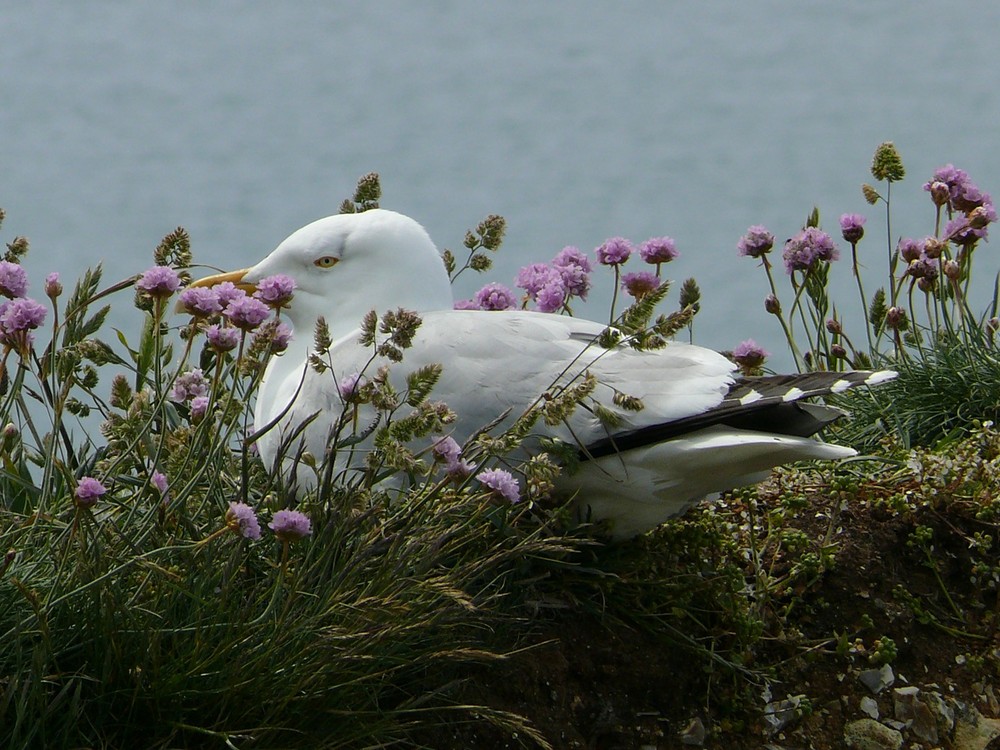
590,680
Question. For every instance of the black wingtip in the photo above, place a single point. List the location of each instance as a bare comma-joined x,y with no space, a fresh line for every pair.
766,404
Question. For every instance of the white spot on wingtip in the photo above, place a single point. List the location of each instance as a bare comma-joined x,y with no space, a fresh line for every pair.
840,386
880,377
750,397
793,394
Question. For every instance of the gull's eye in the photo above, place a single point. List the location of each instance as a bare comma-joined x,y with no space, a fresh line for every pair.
327,261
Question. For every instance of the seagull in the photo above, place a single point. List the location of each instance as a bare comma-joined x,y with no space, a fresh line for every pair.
702,429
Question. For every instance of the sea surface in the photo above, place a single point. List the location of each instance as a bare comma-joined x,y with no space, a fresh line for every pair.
576,120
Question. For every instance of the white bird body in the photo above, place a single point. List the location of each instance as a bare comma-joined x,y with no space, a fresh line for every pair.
693,436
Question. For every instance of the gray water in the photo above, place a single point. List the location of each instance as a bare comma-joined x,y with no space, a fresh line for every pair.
575,120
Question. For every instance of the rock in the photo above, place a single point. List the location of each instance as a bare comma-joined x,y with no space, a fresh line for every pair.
694,733
868,734
973,731
877,680
915,713
945,713
992,701
780,714
870,706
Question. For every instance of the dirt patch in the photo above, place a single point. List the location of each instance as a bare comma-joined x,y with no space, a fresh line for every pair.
892,622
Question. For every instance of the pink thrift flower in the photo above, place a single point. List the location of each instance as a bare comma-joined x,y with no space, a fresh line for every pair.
159,281
200,301
614,251
189,385
466,304
13,280
281,336
21,314
227,292
242,519
543,284
659,250
275,291
572,256
18,317
159,480
222,339
852,227
449,452
807,248
246,313
495,297
88,492
640,283
290,525
750,356
501,482
199,406
535,276
551,297
349,385
574,269
756,242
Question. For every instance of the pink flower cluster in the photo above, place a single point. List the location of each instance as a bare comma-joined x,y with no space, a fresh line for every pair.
290,525
19,315
236,311
88,491
449,452
551,286
807,249
502,483
750,356
242,519
970,210
191,386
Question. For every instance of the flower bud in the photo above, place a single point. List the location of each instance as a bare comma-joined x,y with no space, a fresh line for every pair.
750,357
838,352
909,250
895,318
979,217
833,326
852,227
8,436
933,247
993,324
772,305
52,286
926,283
951,269
940,193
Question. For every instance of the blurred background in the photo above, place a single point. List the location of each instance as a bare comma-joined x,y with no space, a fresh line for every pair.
575,120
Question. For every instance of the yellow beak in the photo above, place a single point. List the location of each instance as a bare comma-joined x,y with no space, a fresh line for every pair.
236,277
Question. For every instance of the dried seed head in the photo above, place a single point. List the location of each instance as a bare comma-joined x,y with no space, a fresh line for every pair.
887,164
870,193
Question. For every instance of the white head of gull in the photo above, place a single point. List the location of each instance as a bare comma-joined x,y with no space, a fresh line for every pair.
701,430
